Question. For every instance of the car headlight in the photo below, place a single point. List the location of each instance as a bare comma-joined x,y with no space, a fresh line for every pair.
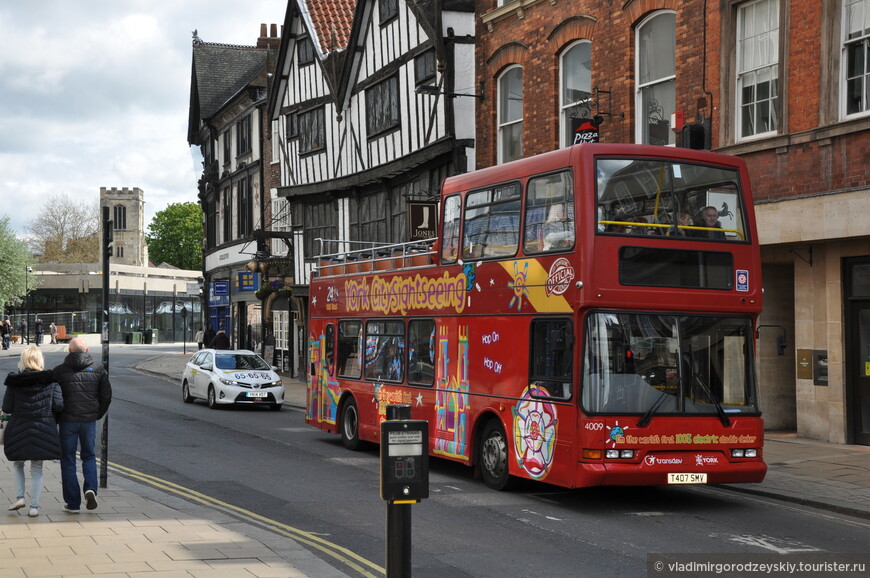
226,381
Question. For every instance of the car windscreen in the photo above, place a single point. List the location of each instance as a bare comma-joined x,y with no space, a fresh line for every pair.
240,361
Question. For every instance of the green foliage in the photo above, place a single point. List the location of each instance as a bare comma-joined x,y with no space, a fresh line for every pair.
14,260
175,236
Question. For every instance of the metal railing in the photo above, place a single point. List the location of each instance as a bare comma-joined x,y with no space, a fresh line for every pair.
339,257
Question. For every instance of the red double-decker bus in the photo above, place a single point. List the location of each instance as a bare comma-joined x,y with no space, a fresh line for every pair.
585,317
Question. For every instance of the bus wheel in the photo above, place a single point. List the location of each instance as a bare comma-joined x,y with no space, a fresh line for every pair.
492,456
350,425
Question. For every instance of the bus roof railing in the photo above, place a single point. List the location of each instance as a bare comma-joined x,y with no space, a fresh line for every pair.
339,257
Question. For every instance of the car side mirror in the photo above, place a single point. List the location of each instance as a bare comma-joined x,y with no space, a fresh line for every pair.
206,367
275,368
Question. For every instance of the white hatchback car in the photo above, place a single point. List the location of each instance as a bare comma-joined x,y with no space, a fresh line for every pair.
224,377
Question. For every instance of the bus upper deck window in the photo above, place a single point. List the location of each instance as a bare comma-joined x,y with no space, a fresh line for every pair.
549,224
491,225
675,199
450,229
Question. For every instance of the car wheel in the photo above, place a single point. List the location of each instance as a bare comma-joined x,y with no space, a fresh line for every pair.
492,456
276,407
350,425
212,398
185,393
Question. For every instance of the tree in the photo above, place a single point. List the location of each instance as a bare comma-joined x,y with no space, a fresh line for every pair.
175,236
67,230
14,260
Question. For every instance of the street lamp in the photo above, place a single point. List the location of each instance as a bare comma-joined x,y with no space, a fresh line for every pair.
27,271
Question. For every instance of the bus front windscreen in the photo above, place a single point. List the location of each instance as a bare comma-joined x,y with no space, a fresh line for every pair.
657,364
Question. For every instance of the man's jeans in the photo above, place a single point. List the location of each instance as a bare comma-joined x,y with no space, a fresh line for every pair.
72,435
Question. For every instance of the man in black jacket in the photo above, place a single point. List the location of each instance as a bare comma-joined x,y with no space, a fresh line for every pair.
87,395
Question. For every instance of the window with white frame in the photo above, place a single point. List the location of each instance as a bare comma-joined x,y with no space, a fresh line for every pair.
576,74
510,114
856,57
280,214
281,328
656,41
757,68
276,126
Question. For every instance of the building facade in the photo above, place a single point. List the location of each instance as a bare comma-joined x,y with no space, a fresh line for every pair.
366,120
226,117
783,84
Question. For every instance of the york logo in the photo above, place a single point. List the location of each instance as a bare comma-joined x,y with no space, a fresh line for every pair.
705,460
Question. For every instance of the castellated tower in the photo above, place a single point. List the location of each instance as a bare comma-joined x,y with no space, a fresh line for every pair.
127,211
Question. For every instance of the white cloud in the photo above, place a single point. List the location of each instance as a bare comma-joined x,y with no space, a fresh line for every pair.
96,94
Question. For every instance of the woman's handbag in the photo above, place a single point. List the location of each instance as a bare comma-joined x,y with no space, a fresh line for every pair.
4,421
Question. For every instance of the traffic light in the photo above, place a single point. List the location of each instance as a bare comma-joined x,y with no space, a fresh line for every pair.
108,238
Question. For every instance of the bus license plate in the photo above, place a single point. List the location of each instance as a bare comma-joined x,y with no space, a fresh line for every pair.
687,478
257,394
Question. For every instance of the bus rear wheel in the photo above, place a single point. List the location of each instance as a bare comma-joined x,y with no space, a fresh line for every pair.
350,425
492,456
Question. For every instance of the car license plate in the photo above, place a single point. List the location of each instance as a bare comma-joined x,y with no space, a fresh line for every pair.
257,394
687,478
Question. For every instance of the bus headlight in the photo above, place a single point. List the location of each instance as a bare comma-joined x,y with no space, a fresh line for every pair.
744,453
619,454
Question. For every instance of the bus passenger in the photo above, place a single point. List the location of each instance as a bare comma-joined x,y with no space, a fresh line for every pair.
710,220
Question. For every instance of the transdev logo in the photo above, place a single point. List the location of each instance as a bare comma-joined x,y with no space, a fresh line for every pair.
652,460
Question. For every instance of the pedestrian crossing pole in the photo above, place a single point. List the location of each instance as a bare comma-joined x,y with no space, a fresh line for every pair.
108,237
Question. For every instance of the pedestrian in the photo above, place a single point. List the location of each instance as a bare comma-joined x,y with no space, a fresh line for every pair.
52,331
23,328
32,399
208,335
199,338
220,340
9,333
37,327
4,334
87,394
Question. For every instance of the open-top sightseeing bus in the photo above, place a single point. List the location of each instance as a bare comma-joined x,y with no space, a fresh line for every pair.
583,318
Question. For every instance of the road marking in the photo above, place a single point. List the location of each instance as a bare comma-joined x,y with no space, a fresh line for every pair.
339,553
770,543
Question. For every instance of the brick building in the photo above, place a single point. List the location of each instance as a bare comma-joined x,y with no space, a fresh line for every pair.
783,84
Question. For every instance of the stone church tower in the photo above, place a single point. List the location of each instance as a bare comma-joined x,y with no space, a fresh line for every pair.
127,211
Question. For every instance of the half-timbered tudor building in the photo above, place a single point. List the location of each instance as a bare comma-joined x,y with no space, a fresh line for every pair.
227,107
368,117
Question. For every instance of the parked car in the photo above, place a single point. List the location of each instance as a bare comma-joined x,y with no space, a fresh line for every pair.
225,377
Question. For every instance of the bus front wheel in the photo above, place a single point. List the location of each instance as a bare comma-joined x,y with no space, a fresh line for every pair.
350,425
493,456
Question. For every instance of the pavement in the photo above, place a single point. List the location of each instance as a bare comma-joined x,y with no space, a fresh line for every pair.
139,530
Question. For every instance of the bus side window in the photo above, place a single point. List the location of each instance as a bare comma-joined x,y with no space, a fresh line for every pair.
421,351
450,229
552,354
550,213
349,349
330,348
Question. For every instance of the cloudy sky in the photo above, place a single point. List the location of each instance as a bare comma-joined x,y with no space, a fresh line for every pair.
95,93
